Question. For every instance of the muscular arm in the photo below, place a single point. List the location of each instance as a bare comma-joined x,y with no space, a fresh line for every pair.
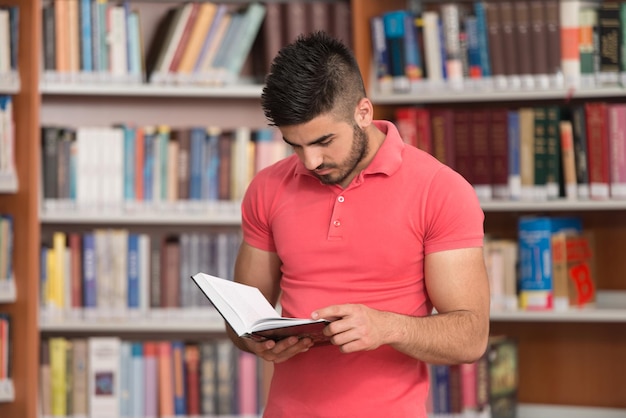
261,269
457,284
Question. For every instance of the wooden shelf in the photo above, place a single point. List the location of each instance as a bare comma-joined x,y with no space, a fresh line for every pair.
238,91
7,391
8,291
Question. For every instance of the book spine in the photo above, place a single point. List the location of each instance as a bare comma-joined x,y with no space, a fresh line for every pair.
617,150
597,150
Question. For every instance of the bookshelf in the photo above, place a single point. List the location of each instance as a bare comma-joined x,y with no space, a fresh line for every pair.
577,355
570,362
20,198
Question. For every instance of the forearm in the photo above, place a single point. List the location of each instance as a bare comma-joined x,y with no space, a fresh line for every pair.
449,338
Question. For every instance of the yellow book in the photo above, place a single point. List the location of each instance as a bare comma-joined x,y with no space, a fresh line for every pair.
58,373
198,35
56,271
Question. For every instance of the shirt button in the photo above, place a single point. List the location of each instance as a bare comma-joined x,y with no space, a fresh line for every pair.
341,199
337,223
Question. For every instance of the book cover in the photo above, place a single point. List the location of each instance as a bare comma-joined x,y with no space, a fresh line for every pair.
250,315
192,379
535,251
617,149
104,376
503,376
598,150
80,366
570,183
579,132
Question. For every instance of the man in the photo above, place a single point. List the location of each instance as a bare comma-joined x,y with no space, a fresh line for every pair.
362,229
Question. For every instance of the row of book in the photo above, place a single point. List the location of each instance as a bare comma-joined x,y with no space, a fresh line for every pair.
486,388
204,42
556,263
549,266
110,377
9,27
102,167
118,271
503,44
531,153
5,346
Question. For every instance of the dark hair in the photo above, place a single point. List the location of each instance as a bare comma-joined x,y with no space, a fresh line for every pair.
309,77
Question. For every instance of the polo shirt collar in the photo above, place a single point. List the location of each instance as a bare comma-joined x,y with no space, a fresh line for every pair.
388,158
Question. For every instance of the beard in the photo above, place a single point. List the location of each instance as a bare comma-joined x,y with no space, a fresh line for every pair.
348,167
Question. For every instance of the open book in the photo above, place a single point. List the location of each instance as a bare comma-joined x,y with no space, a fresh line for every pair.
250,315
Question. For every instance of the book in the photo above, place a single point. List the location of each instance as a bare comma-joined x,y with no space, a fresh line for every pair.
502,353
250,315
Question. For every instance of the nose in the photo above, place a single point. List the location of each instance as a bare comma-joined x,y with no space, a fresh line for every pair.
311,158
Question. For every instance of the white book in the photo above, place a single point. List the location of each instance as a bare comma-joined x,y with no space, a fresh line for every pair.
144,272
118,41
250,315
432,47
104,377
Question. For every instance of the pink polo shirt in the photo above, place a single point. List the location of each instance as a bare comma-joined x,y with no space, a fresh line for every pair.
362,244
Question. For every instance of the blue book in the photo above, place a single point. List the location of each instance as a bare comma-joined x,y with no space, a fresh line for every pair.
196,163
14,26
535,251
135,66
178,354
483,43
473,47
133,271
382,61
86,57
137,381
441,389
394,38
212,157
89,271
221,57
251,21
125,379
149,163
43,277
103,47
514,148
413,53
161,165
129,162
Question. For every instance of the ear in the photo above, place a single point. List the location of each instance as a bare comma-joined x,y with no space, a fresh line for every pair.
364,113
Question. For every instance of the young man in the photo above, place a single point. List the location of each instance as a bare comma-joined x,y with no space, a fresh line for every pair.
360,228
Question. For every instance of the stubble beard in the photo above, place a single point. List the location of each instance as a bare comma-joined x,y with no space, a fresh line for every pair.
348,167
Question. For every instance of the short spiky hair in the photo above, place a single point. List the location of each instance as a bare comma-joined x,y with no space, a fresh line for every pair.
312,76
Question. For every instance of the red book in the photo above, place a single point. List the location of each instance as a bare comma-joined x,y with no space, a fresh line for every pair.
499,139
442,129
192,379
166,379
406,121
463,163
481,152
184,38
76,269
598,149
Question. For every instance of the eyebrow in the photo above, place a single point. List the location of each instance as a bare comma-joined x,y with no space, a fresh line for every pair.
314,142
